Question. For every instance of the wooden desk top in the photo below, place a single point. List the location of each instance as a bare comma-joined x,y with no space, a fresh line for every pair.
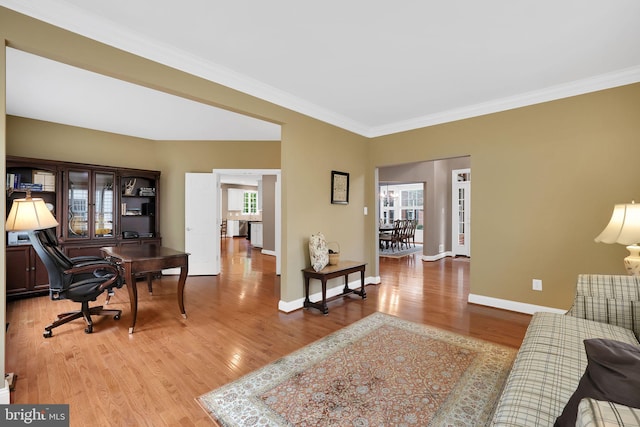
130,253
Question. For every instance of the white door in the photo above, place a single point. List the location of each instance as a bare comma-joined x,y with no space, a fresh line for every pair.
461,212
202,232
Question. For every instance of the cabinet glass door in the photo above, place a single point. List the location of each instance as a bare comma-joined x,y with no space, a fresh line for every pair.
78,214
104,203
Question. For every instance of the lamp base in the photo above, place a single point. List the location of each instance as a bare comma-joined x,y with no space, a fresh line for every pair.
632,262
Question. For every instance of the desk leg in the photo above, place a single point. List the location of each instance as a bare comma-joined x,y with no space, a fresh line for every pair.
133,295
150,283
181,281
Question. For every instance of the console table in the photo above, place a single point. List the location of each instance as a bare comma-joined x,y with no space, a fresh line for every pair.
343,268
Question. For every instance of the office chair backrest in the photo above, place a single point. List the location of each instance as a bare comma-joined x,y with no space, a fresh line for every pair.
46,246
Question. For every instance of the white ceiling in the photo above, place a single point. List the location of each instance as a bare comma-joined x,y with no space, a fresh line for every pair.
370,66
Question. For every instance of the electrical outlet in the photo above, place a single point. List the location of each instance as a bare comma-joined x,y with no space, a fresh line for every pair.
537,284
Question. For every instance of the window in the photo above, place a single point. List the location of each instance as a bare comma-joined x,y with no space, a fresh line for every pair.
250,202
402,201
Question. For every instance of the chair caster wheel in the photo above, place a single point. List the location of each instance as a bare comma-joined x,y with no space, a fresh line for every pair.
88,330
47,334
116,317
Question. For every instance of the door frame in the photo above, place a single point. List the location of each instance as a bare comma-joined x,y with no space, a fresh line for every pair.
278,202
456,249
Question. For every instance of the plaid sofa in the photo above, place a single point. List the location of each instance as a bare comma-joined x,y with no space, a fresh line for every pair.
552,358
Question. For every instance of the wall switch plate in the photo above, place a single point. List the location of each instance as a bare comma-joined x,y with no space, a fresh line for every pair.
537,284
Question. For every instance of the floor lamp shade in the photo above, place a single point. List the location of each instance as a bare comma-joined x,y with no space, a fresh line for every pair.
624,228
29,214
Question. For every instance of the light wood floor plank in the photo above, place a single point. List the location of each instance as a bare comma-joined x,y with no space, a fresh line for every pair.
152,378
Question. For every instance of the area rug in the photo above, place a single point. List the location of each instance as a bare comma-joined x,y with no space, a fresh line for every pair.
399,253
379,371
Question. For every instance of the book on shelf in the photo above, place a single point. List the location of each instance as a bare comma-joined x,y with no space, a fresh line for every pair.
47,179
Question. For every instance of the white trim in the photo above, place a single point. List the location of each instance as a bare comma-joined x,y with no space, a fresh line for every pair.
289,306
578,87
5,394
520,307
437,256
71,18
268,252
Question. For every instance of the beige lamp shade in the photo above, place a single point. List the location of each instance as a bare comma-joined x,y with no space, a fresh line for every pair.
624,226
29,214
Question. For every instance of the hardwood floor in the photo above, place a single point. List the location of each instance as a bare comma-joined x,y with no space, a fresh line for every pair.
151,378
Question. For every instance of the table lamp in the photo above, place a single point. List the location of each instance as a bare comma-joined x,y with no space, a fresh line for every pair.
29,214
624,228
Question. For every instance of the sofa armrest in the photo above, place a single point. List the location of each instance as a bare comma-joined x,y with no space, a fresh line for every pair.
593,413
609,299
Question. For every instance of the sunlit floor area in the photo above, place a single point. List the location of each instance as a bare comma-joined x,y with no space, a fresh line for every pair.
152,377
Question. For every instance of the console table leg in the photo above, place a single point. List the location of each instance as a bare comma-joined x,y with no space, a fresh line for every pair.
325,309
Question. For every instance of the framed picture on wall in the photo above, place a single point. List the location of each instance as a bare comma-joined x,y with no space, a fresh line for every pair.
339,188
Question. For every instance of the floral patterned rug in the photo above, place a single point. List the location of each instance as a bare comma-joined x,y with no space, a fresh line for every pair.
379,371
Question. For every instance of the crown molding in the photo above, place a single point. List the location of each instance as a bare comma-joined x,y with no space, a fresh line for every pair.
69,17
578,87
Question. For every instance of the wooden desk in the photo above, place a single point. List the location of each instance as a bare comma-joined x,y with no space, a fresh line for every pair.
148,259
343,268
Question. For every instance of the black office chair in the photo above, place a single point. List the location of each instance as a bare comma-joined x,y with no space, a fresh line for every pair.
80,279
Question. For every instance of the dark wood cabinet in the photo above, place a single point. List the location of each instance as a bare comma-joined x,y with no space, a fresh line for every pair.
26,274
95,205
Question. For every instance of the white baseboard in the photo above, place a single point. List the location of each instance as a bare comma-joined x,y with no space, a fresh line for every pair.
268,252
289,306
5,394
437,256
516,306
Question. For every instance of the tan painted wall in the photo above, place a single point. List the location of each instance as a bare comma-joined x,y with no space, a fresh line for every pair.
544,182
44,140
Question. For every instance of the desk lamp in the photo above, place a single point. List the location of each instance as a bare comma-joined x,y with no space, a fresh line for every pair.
29,214
624,228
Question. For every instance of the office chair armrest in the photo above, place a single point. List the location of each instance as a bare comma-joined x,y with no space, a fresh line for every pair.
98,264
86,258
93,266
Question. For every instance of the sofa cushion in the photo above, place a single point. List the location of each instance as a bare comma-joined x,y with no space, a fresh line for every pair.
593,413
548,368
613,299
612,374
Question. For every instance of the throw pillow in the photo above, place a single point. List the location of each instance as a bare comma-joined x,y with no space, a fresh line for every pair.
612,374
318,251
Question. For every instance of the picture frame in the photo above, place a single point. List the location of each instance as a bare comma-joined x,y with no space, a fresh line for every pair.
339,188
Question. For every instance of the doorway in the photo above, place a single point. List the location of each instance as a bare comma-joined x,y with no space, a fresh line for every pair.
461,212
213,192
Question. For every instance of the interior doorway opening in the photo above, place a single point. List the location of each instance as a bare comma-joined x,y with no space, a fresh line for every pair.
437,210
